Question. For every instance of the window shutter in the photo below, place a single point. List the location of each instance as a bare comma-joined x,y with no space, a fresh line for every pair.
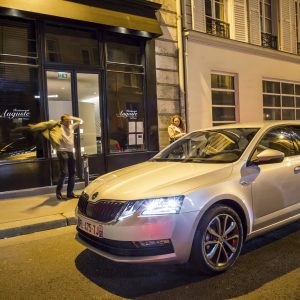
198,15
254,22
287,26
240,21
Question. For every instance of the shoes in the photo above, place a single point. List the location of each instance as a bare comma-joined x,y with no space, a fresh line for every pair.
59,196
72,196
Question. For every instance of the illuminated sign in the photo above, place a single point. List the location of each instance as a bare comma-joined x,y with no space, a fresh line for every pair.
129,113
15,114
62,75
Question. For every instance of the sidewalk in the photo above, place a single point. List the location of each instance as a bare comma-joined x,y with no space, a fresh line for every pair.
28,214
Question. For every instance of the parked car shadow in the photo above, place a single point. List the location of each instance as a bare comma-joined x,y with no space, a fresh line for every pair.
263,259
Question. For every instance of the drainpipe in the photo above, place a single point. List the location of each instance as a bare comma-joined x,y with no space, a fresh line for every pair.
181,60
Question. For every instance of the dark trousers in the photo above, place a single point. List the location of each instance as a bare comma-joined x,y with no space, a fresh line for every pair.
66,166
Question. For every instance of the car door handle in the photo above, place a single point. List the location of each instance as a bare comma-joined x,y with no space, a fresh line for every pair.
297,170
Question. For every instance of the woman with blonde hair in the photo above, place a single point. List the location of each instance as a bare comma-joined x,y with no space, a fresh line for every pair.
176,130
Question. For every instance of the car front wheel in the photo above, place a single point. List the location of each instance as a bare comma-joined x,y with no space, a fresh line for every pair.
218,240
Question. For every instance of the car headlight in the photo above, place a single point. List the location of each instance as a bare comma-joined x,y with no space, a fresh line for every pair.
155,206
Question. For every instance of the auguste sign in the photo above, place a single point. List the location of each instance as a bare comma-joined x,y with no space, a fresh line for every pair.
129,113
15,114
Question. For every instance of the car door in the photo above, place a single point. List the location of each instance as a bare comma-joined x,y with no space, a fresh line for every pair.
276,187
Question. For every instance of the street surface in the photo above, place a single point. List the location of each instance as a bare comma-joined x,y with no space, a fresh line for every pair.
52,265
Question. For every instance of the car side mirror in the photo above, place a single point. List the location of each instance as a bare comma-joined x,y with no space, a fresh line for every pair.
268,156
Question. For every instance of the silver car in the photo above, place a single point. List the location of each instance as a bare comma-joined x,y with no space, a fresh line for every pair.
197,200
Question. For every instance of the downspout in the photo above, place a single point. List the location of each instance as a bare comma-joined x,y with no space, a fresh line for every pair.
181,61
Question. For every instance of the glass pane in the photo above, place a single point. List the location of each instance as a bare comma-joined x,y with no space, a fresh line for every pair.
223,113
288,114
19,106
89,112
71,46
208,11
124,52
223,98
126,112
297,114
271,100
268,26
17,38
219,11
298,102
267,11
59,95
272,114
271,87
287,88
297,89
278,139
288,101
222,81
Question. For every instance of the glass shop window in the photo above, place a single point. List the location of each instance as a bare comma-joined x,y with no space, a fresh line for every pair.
126,112
19,106
71,46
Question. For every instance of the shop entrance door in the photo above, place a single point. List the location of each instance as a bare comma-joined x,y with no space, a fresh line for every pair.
77,94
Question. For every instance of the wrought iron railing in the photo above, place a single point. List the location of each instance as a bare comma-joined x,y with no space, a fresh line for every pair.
217,27
298,48
268,40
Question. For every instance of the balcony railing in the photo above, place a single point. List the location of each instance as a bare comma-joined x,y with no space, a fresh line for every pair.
217,27
268,40
298,48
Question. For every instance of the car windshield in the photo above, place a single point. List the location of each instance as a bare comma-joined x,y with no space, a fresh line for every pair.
210,146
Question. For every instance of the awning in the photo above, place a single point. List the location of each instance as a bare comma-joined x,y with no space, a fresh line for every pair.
87,13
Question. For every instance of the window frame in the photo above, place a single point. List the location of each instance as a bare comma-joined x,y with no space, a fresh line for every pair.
281,95
235,106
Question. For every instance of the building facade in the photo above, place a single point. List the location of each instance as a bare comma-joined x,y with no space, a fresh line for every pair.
84,58
242,61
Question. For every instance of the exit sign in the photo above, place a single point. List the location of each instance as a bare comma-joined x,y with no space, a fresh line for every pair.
62,75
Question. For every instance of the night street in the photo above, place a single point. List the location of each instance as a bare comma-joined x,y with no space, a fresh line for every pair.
52,265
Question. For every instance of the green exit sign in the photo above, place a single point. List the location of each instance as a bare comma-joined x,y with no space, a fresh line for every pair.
62,75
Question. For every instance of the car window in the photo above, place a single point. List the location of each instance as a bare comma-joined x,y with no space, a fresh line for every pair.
278,139
211,146
296,137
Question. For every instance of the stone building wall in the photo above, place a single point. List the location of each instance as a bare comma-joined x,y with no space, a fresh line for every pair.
167,76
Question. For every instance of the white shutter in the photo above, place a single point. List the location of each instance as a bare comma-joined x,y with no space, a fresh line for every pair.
240,20
198,15
287,26
254,22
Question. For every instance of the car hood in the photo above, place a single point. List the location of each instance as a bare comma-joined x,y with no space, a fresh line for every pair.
157,179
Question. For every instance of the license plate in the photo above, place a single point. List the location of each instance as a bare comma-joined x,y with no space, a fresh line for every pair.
90,227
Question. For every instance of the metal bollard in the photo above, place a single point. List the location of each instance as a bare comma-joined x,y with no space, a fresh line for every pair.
85,162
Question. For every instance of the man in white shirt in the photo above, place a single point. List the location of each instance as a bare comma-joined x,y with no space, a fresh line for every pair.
66,156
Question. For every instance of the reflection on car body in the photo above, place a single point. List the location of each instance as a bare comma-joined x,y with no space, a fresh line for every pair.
197,200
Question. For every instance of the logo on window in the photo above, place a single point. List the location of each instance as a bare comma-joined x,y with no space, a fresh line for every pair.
128,113
15,114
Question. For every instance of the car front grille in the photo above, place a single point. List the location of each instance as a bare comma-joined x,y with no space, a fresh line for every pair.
103,210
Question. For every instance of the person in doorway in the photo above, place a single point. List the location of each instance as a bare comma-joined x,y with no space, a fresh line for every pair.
176,129
66,156
61,136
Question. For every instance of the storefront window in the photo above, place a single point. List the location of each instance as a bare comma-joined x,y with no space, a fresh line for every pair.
89,111
125,98
71,46
19,106
19,91
126,112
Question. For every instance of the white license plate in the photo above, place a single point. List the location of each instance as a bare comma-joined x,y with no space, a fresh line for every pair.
90,227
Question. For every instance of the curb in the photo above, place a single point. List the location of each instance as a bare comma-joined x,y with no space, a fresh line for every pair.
28,226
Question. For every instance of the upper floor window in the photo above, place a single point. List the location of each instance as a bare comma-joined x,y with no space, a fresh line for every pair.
224,108
215,18
281,100
268,32
297,13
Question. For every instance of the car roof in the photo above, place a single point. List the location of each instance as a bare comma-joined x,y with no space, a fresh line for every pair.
264,124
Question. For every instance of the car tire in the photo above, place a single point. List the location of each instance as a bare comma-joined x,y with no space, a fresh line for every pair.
218,241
